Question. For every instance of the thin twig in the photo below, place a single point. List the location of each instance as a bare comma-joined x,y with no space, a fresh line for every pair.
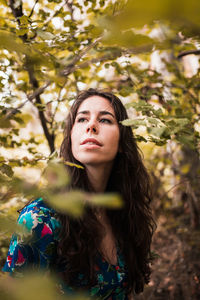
27,160
71,67
67,71
54,15
177,184
30,97
58,102
71,10
32,10
184,53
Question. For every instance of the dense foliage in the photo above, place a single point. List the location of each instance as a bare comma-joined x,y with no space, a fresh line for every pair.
52,49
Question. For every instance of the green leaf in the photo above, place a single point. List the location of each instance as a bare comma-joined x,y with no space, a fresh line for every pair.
153,121
186,139
56,175
36,282
22,31
107,200
156,131
128,39
24,20
11,42
137,14
141,106
4,122
134,122
67,202
140,138
4,2
2,159
7,225
126,91
45,35
6,169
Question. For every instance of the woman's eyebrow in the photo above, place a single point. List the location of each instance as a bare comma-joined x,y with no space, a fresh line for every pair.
102,112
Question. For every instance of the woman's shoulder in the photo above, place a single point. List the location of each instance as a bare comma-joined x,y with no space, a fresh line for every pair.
37,214
36,205
33,243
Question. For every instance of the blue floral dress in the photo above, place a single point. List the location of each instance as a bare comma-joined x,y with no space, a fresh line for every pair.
35,248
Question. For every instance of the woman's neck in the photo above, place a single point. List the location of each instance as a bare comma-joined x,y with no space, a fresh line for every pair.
98,176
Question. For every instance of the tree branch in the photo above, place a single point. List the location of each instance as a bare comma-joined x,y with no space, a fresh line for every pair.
58,101
71,67
109,56
18,12
194,212
32,10
184,53
54,14
66,72
69,5
30,97
49,136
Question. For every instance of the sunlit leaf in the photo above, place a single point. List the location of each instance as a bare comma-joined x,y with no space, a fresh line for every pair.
73,165
56,175
72,202
41,284
11,42
134,122
128,39
45,35
7,225
6,169
137,14
4,2
24,20
156,131
107,200
5,123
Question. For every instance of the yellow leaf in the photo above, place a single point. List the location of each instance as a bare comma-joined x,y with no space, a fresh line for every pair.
72,202
107,200
73,165
11,42
56,176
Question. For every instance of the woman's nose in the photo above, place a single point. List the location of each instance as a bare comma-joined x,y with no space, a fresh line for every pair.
92,127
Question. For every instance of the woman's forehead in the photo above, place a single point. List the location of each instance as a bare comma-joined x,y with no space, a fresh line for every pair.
96,103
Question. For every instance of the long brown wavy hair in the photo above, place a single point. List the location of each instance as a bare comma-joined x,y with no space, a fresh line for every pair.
132,225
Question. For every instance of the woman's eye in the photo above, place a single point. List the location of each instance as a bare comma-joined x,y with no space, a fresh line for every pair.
81,120
105,121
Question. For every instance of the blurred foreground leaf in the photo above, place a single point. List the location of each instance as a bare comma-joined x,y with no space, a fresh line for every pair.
34,286
128,39
56,175
6,169
11,42
67,202
107,200
74,202
137,14
7,225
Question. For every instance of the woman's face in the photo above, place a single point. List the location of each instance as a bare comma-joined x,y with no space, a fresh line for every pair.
95,133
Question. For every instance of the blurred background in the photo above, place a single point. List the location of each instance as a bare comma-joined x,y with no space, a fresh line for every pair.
147,53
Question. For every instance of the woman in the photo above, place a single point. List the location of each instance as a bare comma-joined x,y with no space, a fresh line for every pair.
106,252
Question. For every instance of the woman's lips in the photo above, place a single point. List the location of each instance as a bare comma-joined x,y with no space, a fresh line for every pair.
91,142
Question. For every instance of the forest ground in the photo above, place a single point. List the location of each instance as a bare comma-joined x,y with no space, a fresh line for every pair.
176,270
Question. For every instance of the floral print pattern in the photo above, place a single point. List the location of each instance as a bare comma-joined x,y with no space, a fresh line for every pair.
35,247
